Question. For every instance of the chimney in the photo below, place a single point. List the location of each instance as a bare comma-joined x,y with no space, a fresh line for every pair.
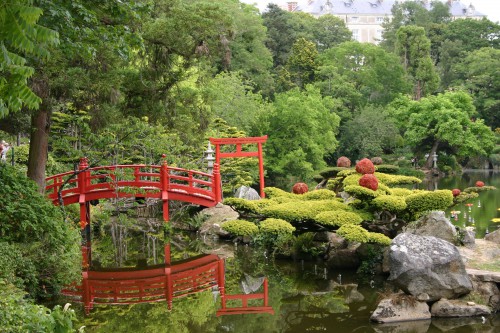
292,5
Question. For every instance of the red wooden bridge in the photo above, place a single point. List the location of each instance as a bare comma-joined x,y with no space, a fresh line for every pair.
145,181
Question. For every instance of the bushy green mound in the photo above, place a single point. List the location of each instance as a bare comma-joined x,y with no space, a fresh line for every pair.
248,206
400,192
390,203
464,196
331,172
363,193
300,211
276,227
477,189
392,180
387,168
338,218
354,233
272,192
240,228
428,201
39,237
375,237
319,195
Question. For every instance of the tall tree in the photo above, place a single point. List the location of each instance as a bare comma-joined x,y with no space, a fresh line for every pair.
330,31
302,62
414,49
443,122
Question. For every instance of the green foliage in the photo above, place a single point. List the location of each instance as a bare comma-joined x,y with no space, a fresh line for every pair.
331,172
321,194
273,192
18,314
476,189
240,228
294,211
302,62
387,168
392,180
354,233
20,37
363,193
401,192
464,196
378,238
276,227
38,231
390,203
338,218
428,201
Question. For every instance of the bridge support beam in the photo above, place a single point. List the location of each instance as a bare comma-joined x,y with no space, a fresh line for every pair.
164,181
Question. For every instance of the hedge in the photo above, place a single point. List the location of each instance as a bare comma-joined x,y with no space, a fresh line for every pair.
428,201
387,168
297,211
390,203
338,218
354,233
240,228
276,227
331,172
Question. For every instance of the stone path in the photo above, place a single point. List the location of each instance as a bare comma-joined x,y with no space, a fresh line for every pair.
482,260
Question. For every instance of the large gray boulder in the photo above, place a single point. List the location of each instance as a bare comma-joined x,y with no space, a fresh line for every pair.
433,224
493,236
245,192
426,264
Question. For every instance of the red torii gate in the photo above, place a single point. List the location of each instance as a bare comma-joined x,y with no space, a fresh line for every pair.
239,153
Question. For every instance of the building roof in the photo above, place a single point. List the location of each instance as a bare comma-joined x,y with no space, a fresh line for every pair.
373,7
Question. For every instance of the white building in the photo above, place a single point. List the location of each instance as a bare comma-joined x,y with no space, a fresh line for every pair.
364,17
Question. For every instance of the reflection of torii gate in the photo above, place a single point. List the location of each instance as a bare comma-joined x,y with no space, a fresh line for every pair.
238,142
161,283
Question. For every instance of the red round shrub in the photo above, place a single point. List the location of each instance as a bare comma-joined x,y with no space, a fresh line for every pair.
369,181
344,162
456,192
300,188
365,166
479,183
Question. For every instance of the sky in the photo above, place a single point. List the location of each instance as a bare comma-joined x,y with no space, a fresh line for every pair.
489,7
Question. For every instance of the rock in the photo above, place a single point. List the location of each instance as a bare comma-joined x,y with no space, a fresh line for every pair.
343,257
400,307
245,192
493,236
216,217
488,291
469,324
433,224
352,295
425,264
418,326
334,241
458,308
468,236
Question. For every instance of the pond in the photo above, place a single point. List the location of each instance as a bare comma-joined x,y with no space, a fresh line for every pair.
477,212
290,296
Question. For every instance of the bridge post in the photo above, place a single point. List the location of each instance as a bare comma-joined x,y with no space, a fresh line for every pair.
83,179
221,282
217,186
164,181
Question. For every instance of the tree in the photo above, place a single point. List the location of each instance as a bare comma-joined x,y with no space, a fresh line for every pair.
374,73
474,34
414,49
302,62
478,73
443,122
301,130
20,37
330,31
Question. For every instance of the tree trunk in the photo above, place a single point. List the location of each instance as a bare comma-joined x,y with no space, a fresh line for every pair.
39,146
429,163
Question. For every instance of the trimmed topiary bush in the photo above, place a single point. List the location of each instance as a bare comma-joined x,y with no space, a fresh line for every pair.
400,192
375,237
369,181
343,162
276,227
392,180
387,168
301,211
479,189
240,228
362,193
331,172
300,188
391,203
248,206
319,195
479,183
456,192
428,201
273,192
354,233
338,218
462,197
365,166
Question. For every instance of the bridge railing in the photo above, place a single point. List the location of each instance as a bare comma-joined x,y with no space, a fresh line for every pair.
134,180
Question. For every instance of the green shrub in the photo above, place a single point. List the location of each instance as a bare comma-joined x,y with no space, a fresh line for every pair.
299,211
347,172
391,180
272,192
334,183
429,200
477,189
464,196
352,179
338,218
318,178
40,233
387,168
242,205
363,193
390,203
354,233
400,192
331,172
411,172
322,194
374,237
276,227
240,228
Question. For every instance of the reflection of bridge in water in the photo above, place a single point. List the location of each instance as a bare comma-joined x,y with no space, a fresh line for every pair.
163,282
